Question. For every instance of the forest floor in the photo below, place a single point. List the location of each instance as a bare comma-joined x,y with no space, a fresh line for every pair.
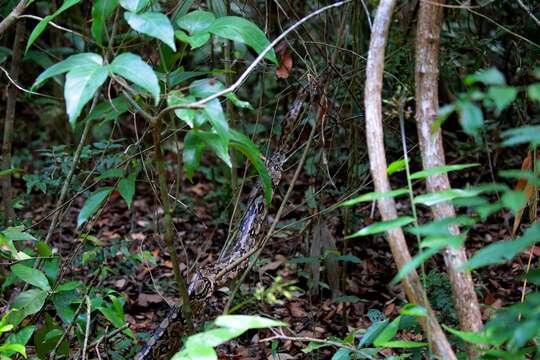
125,244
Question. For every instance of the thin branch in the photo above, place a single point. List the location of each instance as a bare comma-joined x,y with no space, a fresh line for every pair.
55,25
528,11
14,83
13,16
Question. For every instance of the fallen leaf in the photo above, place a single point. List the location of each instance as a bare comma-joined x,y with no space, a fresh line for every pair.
144,300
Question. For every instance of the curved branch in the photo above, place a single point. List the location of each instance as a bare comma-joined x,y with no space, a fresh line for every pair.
377,158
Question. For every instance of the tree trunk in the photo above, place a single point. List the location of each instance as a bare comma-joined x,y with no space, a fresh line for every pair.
431,146
9,120
377,158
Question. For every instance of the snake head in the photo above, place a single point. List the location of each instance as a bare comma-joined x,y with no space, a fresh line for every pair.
201,286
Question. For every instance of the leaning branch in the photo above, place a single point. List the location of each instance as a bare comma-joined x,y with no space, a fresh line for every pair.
377,158
13,16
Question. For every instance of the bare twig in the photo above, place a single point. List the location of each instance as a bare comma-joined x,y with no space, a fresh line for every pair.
528,11
55,25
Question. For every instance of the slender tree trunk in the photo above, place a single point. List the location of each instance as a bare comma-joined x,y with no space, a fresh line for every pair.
431,146
377,158
15,69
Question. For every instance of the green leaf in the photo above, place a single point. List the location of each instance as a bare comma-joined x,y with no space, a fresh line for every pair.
415,262
215,115
126,187
439,170
244,31
27,303
413,310
134,69
101,10
514,200
503,251
404,344
470,337
15,234
134,5
522,135
22,336
388,333
374,195
111,315
197,21
490,76
443,114
81,85
202,352
470,117
372,332
92,204
6,348
153,24
445,195
72,62
247,322
195,41
396,166
111,174
109,109
502,96
382,226
193,148
212,338
440,227
243,144
176,97
534,91
40,27
31,276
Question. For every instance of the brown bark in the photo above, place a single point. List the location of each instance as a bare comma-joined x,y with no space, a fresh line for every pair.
12,17
431,146
377,158
10,119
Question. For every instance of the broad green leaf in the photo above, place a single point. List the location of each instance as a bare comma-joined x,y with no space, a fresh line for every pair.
195,41
382,226
176,97
470,337
440,227
374,195
415,262
413,310
403,344
372,332
10,171
15,234
502,96
247,322
109,109
212,338
503,251
112,316
215,115
92,204
244,31
72,285
22,336
27,303
438,242
207,87
470,117
81,85
443,114
396,166
514,200
439,170
522,135
197,21
243,144
388,333
445,195
534,91
134,5
16,348
202,352
134,69
72,62
101,10
111,174
490,76
342,354
153,24
193,148
348,258
126,188
40,27
31,276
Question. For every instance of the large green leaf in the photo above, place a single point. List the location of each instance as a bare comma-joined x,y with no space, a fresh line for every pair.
133,68
445,195
193,148
195,41
247,322
215,115
388,333
207,87
490,76
213,337
153,24
31,276
27,303
176,97
109,109
534,91
382,226
243,144
244,31
126,188
439,170
502,96
470,117
522,135
40,27
92,204
134,5
81,85
101,10
503,251
72,62
196,21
